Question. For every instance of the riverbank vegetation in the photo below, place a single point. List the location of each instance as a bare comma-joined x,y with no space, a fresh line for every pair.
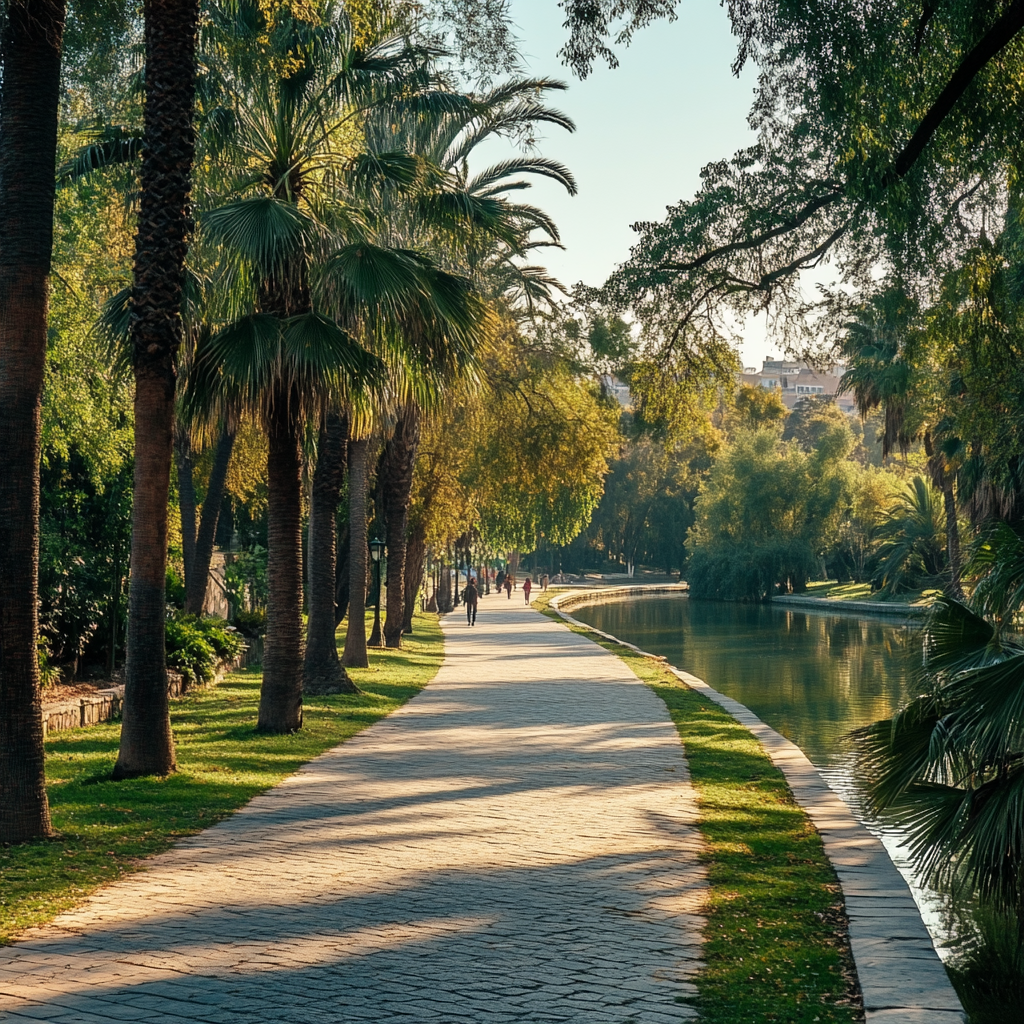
104,828
775,941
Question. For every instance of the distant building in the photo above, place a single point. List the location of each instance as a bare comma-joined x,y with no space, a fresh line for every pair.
614,387
796,380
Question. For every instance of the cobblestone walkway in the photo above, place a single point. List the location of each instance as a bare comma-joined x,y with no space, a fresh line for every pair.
516,844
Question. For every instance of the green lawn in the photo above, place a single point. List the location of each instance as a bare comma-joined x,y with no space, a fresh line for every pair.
776,947
104,827
862,592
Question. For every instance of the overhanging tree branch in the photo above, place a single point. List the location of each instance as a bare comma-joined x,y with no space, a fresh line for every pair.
1002,32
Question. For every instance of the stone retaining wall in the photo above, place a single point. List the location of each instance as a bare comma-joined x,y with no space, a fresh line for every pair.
823,604
105,705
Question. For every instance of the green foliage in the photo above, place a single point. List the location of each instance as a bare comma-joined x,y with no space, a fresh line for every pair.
755,407
195,646
749,572
948,766
767,512
49,674
245,579
912,552
251,623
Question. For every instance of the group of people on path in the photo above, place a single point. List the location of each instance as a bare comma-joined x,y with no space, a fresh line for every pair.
504,581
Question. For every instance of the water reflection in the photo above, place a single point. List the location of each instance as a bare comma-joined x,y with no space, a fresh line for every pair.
811,676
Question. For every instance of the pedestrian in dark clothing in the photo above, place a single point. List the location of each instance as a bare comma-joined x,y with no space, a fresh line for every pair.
499,580
471,596
508,587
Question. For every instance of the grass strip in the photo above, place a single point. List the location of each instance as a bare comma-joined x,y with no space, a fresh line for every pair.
775,943
104,828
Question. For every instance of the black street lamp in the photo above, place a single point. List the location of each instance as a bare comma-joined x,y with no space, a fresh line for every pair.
376,554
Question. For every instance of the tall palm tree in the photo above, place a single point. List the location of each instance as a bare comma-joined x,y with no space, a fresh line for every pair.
882,346
313,293
30,51
161,247
473,226
322,670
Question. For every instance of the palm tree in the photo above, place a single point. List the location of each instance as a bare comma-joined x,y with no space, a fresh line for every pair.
882,344
30,49
911,550
161,247
950,765
322,670
471,222
314,293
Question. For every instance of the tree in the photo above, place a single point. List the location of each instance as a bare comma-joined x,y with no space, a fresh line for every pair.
147,746
900,180
767,512
322,672
355,639
911,535
30,51
891,368
471,220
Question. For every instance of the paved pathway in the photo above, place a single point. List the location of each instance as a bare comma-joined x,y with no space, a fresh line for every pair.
515,844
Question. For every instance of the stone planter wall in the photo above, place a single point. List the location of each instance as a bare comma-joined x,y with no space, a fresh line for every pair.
105,705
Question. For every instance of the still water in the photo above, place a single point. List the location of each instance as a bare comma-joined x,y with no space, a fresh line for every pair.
811,676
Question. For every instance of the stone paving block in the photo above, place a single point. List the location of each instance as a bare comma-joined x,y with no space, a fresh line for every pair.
515,844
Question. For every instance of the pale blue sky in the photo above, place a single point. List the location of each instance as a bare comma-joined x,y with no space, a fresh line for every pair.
644,130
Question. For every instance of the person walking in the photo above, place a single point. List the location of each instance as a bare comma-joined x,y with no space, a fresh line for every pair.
508,587
527,587
499,580
544,583
471,597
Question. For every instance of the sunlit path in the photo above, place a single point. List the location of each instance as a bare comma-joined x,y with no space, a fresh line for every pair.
516,844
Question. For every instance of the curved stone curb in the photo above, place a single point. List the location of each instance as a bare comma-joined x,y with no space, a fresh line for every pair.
902,979
824,604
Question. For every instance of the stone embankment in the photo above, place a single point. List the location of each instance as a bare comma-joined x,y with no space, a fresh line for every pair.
893,609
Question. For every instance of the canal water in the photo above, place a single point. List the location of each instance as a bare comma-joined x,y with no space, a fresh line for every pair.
810,675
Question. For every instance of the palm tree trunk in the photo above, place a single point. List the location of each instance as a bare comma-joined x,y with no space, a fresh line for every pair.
30,49
323,672
415,554
942,477
952,537
281,692
400,458
196,584
355,655
341,575
186,504
147,746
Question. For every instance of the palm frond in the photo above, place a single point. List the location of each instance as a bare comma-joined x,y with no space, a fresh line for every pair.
110,146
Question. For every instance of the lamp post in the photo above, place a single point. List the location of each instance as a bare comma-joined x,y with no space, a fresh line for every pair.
376,553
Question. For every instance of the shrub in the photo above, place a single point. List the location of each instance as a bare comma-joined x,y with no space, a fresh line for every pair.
250,623
195,646
49,674
739,572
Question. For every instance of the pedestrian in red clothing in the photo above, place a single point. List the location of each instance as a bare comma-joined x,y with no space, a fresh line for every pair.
527,586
